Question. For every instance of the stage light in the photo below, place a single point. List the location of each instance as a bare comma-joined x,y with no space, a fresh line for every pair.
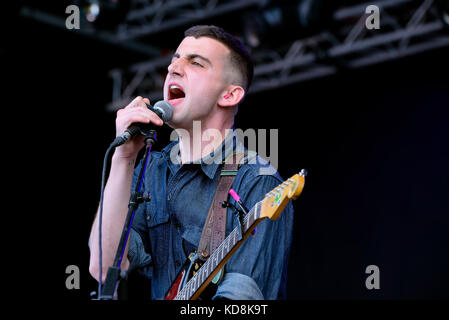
443,6
281,20
257,25
92,12
105,14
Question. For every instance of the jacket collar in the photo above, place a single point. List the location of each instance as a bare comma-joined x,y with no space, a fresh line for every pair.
209,163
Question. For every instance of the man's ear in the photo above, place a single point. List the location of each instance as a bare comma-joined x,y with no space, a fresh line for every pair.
231,97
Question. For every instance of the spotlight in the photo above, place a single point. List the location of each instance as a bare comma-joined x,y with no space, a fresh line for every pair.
105,14
257,25
92,12
281,20
443,6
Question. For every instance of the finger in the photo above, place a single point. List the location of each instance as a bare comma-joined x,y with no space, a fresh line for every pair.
127,117
137,114
154,118
140,104
143,115
146,100
134,118
144,110
135,103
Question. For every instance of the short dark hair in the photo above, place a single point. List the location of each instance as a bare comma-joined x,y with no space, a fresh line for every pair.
239,56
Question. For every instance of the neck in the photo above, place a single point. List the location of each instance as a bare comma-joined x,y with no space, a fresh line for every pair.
201,139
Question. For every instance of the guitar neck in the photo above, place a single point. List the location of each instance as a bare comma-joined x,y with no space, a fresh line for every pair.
270,207
220,256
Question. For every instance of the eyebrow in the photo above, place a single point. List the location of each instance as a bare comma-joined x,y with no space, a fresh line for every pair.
193,56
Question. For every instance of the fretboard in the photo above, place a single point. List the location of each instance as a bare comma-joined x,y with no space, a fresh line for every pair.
222,254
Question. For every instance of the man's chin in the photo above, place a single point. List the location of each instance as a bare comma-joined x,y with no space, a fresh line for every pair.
178,122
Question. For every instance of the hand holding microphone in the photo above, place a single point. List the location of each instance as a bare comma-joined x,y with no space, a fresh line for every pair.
139,117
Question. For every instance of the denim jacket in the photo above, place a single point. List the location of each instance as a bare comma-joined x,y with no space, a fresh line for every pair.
166,229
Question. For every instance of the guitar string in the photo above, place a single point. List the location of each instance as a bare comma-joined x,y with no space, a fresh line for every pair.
190,285
206,265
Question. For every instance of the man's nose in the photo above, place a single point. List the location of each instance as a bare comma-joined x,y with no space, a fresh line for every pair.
176,67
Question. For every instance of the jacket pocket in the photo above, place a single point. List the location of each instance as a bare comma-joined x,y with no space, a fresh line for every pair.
159,233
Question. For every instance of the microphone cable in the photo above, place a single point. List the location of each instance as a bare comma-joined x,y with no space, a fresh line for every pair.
164,110
100,220
100,214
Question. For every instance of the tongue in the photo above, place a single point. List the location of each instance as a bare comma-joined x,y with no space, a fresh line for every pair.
177,93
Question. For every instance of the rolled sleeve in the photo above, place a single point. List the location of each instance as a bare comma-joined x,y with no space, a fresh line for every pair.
237,286
139,259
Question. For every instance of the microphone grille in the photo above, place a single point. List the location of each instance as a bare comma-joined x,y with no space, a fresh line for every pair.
165,108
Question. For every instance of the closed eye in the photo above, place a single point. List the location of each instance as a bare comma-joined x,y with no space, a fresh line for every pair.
197,64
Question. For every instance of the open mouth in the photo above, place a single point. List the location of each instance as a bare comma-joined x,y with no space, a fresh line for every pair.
175,93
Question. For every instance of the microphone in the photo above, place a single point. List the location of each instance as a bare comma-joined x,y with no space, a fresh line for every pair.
163,109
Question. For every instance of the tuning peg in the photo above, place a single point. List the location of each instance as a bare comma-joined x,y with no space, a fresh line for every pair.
303,173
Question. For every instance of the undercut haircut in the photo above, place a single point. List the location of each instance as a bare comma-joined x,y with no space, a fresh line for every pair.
239,55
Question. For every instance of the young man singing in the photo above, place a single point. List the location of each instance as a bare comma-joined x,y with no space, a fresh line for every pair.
207,78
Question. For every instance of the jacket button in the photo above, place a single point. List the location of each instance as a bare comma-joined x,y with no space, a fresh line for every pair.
178,263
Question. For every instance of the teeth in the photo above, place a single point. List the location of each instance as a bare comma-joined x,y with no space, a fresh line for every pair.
173,86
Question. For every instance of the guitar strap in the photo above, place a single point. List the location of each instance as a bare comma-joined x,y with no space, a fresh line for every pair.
215,227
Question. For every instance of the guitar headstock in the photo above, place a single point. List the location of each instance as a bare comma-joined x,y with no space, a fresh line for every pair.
275,200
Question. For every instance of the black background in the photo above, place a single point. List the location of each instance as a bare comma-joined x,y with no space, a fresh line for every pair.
374,140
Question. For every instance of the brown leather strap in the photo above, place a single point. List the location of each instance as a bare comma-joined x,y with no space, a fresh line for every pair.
215,227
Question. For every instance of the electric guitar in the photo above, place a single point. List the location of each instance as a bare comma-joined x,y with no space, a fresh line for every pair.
195,276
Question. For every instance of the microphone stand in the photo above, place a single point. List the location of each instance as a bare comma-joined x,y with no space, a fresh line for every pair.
115,274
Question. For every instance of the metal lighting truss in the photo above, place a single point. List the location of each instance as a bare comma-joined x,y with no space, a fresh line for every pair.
407,27
148,17
355,46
